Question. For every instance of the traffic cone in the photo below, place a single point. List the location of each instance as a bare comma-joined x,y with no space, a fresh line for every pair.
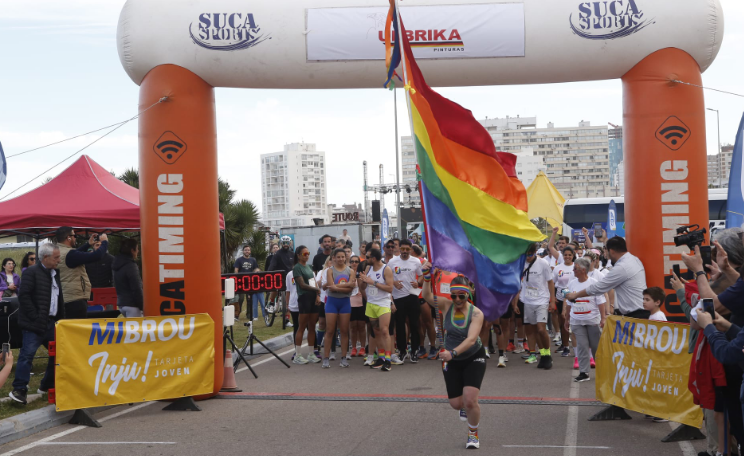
228,384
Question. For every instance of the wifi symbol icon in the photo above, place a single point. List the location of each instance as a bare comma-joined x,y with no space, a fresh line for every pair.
169,147
673,133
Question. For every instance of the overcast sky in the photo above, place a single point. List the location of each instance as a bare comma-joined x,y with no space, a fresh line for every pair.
60,76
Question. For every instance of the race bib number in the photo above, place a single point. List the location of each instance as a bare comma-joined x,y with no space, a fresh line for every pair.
444,288
581,308
371,291
533,292
311,282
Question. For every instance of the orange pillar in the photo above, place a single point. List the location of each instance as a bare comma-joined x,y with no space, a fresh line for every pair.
178,199
666,179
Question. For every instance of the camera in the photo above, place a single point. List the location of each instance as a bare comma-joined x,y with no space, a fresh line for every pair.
690,235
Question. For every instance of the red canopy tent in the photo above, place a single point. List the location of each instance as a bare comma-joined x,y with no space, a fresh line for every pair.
84,196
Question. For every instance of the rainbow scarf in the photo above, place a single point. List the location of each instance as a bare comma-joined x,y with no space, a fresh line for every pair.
475,207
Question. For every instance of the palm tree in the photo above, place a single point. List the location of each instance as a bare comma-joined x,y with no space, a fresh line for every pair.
130,177
241,218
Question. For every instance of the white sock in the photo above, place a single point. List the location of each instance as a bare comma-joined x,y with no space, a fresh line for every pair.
298,349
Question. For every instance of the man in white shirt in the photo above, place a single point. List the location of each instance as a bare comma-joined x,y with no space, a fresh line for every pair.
405,296
556,254
538,297
627,278
345,237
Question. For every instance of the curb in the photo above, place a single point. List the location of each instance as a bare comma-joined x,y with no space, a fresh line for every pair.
25,424
275,344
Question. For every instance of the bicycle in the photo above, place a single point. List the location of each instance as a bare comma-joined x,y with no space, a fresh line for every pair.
280,309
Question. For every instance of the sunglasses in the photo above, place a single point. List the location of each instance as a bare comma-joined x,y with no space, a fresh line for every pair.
354,261
455,297
31,258
306,254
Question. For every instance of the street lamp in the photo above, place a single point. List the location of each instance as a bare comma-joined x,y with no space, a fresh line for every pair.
718,122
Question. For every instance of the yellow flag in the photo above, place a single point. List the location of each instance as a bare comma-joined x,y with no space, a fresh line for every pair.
545,201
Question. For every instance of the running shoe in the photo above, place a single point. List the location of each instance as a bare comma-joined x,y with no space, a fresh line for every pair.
289,324
541,363
566,352
421,353
298,359
557,337
333,356
518,349
559,349
524,344
531,360
526,355
502,361
326,363
591,362
660,420
378,364
414,358
506,358
313,358
353,352
463,415
510,347
433,353
387,366
361,352
344,363
406,356
473,442
316,353
582,378
547,362
395,359
369,360
488,355
348,356
18,396
576,362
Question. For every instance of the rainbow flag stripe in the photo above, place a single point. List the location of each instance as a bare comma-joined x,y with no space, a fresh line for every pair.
475,207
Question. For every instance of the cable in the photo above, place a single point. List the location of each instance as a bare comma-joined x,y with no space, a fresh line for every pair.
95,141
84,134
706,88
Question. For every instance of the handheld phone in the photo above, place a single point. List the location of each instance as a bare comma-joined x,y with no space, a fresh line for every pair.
95,237
597,230
709,307
6,348
705,252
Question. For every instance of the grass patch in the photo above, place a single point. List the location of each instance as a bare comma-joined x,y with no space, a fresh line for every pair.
240,332
13,408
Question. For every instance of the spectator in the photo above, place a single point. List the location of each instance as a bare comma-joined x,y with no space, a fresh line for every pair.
627,278
345,237
75,282
127,280
652,299
100,273
29,259
41,305
281,260
244,264
9,280
326,244
274,248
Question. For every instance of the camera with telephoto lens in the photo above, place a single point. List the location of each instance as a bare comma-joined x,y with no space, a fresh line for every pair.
690,235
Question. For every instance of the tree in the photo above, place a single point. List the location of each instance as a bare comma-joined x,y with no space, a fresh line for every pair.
241,218
130,177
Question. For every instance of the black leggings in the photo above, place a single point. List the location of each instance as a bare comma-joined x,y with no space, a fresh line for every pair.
407,306
295,323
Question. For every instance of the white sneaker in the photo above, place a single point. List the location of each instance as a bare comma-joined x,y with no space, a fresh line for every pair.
312,358
298,359
289,324
395,359
369,361
488,355
502,361
348,355
518,349
333,356
557,337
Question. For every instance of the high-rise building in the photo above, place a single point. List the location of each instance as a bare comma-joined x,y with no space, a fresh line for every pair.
293,186
408,178
615,136
719,167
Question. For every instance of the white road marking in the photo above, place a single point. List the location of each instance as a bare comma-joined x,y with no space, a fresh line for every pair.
109,443
572,422
264,361
70,431
559,446
685,445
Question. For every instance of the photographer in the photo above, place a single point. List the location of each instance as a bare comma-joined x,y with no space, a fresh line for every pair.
75,283
627,278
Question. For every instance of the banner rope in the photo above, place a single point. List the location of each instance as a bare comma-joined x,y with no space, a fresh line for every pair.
706,88
119,125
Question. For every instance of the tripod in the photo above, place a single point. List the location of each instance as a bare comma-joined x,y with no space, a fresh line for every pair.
227,336
252,337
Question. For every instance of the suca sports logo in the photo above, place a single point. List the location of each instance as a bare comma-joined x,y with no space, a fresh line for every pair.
608,20
226,31
441,40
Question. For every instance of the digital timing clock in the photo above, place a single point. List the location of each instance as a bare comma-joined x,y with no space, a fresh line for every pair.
255,282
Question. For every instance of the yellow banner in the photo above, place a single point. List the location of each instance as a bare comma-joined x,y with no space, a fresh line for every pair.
119,361
644,366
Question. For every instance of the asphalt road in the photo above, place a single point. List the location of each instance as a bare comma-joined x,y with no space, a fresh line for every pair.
382,413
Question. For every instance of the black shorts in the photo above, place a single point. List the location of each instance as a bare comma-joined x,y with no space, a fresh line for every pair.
357,313
466,372
559,306
321,310
510,312
306,303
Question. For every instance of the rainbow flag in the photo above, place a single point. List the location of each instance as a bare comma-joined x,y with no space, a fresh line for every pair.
475,207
